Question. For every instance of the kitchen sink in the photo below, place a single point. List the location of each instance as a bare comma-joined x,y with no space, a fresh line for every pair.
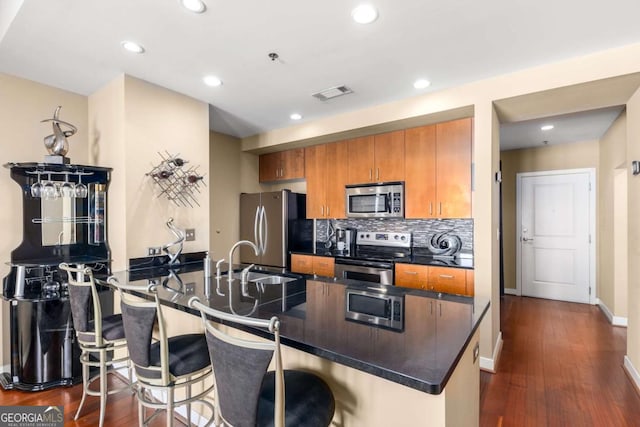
272,280
265,278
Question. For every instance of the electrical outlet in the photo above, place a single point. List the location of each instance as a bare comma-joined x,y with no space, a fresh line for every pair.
154,251
190,234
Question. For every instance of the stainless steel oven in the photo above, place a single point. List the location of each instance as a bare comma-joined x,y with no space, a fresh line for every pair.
366,271
384,200
376,307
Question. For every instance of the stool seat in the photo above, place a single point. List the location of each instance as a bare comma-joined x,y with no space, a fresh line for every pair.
112,329
187,353
308,400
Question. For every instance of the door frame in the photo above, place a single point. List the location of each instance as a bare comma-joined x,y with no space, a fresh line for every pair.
592,224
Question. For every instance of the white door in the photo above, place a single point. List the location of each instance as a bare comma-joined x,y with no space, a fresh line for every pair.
555,226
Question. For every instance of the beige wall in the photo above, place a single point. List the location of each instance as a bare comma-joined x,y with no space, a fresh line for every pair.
612,211
553,157
131,121
633,153
23,104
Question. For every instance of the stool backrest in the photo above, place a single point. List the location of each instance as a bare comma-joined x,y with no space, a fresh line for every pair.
83,297
240,364
139,317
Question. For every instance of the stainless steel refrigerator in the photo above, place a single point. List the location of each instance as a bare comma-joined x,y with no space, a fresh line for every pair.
275,222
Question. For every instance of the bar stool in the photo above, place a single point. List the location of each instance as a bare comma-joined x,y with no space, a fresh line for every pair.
245,393
166,365
98,337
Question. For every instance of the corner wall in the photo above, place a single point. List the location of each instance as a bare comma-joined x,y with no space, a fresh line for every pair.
632,361
612,212
23,104
131,121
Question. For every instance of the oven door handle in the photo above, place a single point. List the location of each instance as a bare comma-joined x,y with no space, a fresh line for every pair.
360,263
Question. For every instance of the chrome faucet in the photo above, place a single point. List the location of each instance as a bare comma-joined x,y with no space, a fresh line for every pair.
233,248
218,264
245,273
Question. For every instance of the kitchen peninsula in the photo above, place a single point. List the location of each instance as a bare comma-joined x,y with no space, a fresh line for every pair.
424,373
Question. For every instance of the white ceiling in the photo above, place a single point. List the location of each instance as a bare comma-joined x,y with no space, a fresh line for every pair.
75,45
567,128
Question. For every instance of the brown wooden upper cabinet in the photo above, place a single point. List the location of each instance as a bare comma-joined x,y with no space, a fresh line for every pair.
438,170
378,158
282,165
326,174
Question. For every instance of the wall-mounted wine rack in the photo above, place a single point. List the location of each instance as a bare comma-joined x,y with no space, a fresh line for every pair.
176,180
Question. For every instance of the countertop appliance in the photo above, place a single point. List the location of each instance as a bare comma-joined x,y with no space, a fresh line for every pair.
346,240
276,222
375,307
373,258
381,200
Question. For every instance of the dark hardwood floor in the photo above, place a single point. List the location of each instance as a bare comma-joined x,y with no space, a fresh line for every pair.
561,365
122,408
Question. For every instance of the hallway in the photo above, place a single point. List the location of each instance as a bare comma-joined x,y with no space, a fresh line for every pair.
561,365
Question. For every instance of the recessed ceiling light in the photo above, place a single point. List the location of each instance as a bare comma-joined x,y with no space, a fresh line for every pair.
364,14
295,116
212,81
196,6
421,83
132,46
546,127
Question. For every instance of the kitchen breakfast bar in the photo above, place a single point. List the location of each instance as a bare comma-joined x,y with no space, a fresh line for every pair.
421,371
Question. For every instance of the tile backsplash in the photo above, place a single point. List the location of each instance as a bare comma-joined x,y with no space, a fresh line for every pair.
421,229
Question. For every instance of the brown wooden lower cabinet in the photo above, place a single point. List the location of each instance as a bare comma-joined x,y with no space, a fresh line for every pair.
438,279
313,264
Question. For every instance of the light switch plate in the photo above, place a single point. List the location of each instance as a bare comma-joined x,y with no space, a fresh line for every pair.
190,234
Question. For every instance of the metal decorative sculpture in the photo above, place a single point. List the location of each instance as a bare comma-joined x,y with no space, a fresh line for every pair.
56,143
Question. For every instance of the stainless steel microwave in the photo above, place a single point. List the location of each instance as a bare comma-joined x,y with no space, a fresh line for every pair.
375,308
383,200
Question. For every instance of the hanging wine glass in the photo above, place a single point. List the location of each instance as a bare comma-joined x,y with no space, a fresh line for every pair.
49,189
36,187
81,189
67,189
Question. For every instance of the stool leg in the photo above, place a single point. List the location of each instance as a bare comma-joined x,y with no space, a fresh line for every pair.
103,385
85,383
170,407
140,411
188,394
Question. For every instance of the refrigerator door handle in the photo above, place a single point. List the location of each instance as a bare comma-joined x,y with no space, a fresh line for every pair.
260,231
266,231
255,225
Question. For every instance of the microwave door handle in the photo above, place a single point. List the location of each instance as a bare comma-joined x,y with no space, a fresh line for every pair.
390,202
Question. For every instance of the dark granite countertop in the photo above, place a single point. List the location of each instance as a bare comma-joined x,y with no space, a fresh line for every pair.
437,327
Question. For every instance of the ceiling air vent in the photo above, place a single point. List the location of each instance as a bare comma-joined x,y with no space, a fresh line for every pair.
333,92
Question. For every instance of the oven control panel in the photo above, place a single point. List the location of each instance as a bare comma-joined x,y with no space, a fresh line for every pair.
382,238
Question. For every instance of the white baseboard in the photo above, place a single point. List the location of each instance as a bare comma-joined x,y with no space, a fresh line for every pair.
614,320
632,371
6,368
511,291
491,364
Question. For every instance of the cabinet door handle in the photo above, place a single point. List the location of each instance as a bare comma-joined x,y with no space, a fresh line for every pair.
377,173
328,210
430,208
446,276
440,213
411,272
370,174
321,210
